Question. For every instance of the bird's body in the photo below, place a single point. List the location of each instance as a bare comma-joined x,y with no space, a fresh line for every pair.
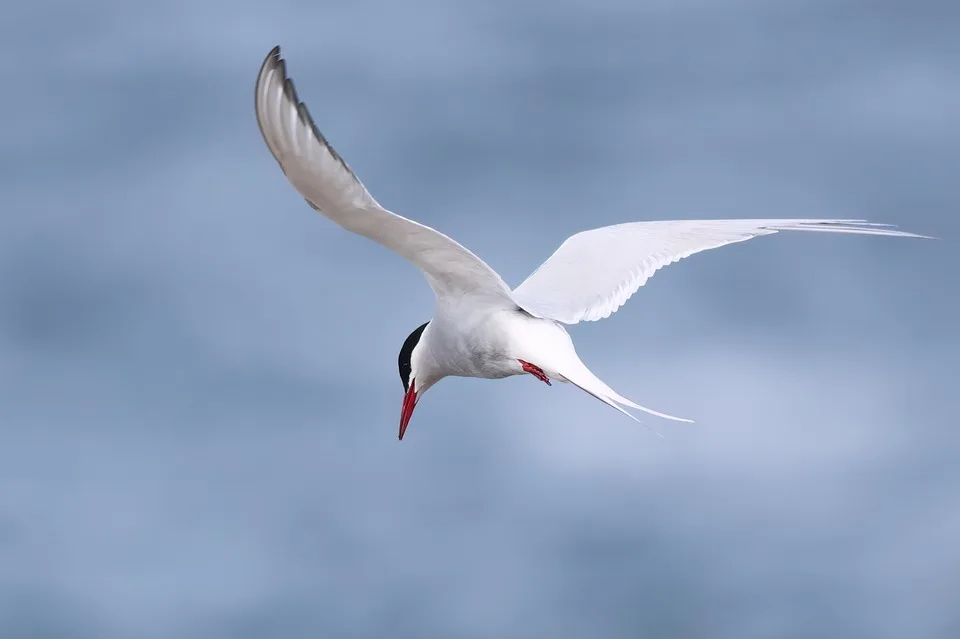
490,343
483,343
482,328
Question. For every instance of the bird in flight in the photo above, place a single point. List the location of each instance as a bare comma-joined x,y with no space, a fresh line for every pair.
481,327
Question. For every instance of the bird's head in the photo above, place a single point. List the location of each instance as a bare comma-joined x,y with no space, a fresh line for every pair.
417,372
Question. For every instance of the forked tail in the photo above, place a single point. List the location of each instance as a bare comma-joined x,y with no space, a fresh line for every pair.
586,381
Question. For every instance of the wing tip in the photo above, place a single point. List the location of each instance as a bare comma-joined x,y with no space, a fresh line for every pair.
272,61
275,62
274,56
274,66
274,90
862,227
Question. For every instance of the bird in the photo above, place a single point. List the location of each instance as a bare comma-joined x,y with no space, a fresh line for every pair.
481,327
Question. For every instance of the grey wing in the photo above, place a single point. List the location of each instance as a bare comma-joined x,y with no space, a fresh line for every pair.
330,186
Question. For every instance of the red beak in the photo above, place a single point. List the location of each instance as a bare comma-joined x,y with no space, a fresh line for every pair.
409,403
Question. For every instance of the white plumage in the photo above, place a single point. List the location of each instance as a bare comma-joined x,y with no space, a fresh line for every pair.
480,327
595,272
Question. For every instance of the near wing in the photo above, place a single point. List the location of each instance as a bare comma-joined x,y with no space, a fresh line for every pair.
321,176
595,272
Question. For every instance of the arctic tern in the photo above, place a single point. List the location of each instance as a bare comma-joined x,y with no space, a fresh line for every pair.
480,327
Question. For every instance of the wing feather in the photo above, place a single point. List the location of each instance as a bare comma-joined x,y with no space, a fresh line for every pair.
595,272
330,186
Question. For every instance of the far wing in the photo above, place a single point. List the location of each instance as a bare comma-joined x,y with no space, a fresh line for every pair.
321,176
595,272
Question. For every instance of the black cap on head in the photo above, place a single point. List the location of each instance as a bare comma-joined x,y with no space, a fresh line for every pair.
406,351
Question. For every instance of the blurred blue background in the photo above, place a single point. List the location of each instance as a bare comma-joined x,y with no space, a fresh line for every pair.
198,387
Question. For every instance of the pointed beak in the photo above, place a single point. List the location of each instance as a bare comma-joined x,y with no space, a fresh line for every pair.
409,403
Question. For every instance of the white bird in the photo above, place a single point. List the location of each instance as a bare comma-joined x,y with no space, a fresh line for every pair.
482,328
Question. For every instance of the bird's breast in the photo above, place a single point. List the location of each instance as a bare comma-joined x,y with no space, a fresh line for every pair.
490,346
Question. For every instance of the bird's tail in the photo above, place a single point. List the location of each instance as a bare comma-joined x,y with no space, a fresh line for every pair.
585,380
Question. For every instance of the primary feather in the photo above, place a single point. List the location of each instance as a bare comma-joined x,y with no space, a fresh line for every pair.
330,186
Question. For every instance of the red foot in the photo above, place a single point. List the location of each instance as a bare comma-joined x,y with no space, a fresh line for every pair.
536,371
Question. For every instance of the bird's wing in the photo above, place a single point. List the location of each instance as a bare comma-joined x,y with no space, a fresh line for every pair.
595,272
321,176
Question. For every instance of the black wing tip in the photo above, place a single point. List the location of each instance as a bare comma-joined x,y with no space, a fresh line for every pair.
303,113
289,89
272,61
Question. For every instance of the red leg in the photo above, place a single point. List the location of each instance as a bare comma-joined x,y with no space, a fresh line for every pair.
536,371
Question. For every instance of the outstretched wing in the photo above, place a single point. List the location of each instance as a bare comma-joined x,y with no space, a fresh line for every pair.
321,176
595,272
